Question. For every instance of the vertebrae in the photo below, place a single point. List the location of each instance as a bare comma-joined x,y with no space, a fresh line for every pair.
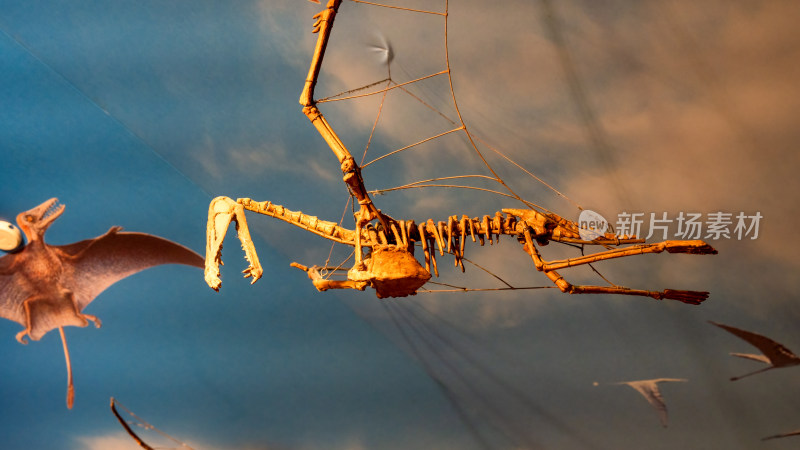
445,236
528,226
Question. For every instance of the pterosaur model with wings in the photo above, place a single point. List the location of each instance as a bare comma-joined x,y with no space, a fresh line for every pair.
651,393
389,266
43,287
773,354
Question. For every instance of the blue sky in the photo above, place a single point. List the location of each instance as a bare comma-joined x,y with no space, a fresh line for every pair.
139,113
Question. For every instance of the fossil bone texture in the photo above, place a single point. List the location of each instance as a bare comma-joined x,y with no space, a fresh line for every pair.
390,243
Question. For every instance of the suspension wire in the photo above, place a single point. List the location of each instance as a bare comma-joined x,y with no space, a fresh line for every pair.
413,145
597,271
462,127
375,123
465,289
504,156
381,191
385,91
419,183
333,268
350,97
523,397
352,91
414,96
483,369
399,7
391,84
448,393
433,354
498,152
329,271
452,177
486,270
493,415
458,111
596,134
341,221
490,147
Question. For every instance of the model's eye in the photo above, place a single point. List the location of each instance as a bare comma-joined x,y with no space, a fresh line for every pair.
29,218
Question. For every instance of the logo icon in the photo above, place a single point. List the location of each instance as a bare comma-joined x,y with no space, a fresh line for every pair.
591,225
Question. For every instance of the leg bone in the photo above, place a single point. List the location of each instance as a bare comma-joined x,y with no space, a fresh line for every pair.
689,297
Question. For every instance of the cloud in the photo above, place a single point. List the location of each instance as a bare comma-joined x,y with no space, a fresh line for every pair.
115,441
254,161
122,441
289,27
703,118
232,163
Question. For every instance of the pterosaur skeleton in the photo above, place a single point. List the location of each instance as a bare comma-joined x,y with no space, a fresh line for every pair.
389,265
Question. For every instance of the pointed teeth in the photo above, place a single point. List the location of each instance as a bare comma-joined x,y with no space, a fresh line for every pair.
54,208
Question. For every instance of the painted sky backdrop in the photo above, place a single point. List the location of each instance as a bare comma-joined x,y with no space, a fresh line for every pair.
139,113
